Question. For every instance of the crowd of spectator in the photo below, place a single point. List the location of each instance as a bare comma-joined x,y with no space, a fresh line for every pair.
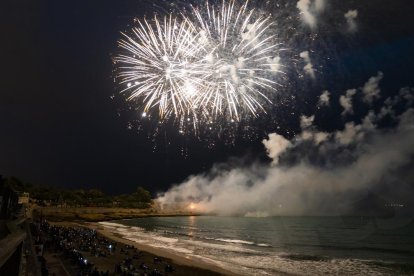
129,267
75,244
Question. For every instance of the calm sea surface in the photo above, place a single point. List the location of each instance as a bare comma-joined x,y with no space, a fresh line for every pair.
291,245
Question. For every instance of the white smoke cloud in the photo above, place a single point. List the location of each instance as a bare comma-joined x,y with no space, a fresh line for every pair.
346,102
355,133
302,188
307,16
275,146
350,17
371,91
320,137
309,132
306,122
350,134
324,98
319,5
406,95
371,88
308,68
306,126
309,11
315,173
404,99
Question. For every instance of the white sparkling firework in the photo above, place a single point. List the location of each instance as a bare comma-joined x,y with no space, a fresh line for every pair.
216,63
160,66
242,54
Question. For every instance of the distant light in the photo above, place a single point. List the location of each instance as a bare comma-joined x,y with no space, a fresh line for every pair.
144,114
85,261
129,84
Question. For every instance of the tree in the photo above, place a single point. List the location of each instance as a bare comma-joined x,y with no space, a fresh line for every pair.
142,195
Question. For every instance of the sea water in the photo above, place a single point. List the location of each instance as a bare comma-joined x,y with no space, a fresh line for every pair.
282,245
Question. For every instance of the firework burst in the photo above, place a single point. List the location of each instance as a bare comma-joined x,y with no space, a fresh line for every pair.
214,64
242,52
160,66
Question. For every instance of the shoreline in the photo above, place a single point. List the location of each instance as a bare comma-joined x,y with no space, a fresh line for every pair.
98,214
175,258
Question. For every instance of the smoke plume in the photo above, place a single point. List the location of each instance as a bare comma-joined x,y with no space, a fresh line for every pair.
309,11
316,172
308,68
350,17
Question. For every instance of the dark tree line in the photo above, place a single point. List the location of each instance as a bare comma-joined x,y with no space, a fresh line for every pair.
42,195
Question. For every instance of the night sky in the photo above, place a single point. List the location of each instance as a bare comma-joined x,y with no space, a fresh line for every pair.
60,124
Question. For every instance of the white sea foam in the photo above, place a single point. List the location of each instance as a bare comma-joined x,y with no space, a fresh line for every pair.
243,242
235,241
221,247
274,264
244,257
263,245
113,224
164,239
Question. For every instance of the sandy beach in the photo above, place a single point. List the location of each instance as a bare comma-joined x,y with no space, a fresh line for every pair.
182,265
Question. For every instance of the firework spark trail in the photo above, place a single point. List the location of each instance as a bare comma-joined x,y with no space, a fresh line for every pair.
161,65
242,55
217,63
